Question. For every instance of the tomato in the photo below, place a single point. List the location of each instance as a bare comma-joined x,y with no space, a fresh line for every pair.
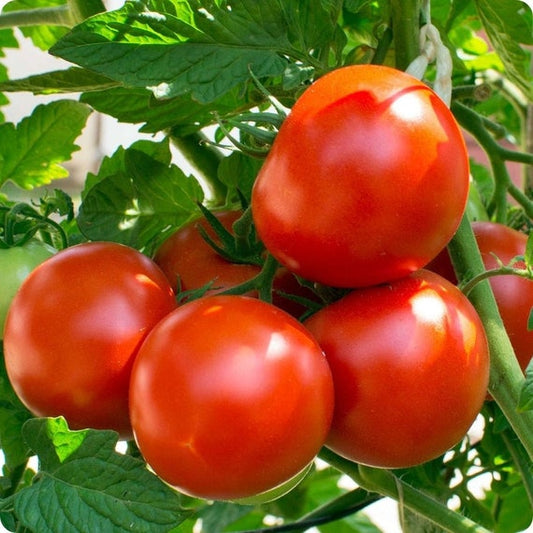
366,181
190,262
15,265
74,328
513,294
230,397
410,368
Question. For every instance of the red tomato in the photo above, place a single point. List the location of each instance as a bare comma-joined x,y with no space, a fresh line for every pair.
410,368
514,295
74,328
366,181
190,262
230,396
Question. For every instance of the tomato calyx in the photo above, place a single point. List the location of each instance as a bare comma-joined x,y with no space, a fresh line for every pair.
241,245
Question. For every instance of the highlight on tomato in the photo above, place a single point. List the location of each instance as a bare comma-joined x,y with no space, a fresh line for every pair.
230,397
74,328
410,367
513,294
366,181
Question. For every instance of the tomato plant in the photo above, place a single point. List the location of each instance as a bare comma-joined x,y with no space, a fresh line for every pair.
500,245
410,366
74,328
360,138
15,264
386,161
230,397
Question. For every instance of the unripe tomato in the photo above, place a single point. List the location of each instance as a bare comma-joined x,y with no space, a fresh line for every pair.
366,181
410,367
74,328
15,265
230,397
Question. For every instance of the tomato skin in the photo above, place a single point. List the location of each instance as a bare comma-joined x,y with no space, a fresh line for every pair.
230,396
74,328
410,368
15,265
366,181
190,262
513,294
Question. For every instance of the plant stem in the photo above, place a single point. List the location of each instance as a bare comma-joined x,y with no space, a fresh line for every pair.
506,377
205,159
497,155
384,482
405,29
52,16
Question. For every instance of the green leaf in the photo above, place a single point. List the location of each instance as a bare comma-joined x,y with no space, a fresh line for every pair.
183,114
174,48
140,204
31,151
238,171
509,25
85,485
60,81
525,401
13,415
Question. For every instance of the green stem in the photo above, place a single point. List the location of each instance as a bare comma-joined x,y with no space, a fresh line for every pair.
51,16
405,28
474,124
492,273
521,461
384,482
205,159
506,377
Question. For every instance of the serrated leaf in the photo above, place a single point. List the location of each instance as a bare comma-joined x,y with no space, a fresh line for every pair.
509,25
32,150
204,49
140,204
70,80
525,402
183,114
91,487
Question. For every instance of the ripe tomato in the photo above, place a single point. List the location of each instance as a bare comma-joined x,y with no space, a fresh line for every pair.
74,328
514,295
410,369
366,180
230,397
188,260
15,265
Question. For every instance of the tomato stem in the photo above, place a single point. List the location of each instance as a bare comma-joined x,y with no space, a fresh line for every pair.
493,272
69,14
498,155
205,160
387,484
50,16
506,377
405,28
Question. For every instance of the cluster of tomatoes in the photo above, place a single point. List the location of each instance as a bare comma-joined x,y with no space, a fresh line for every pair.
229,396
